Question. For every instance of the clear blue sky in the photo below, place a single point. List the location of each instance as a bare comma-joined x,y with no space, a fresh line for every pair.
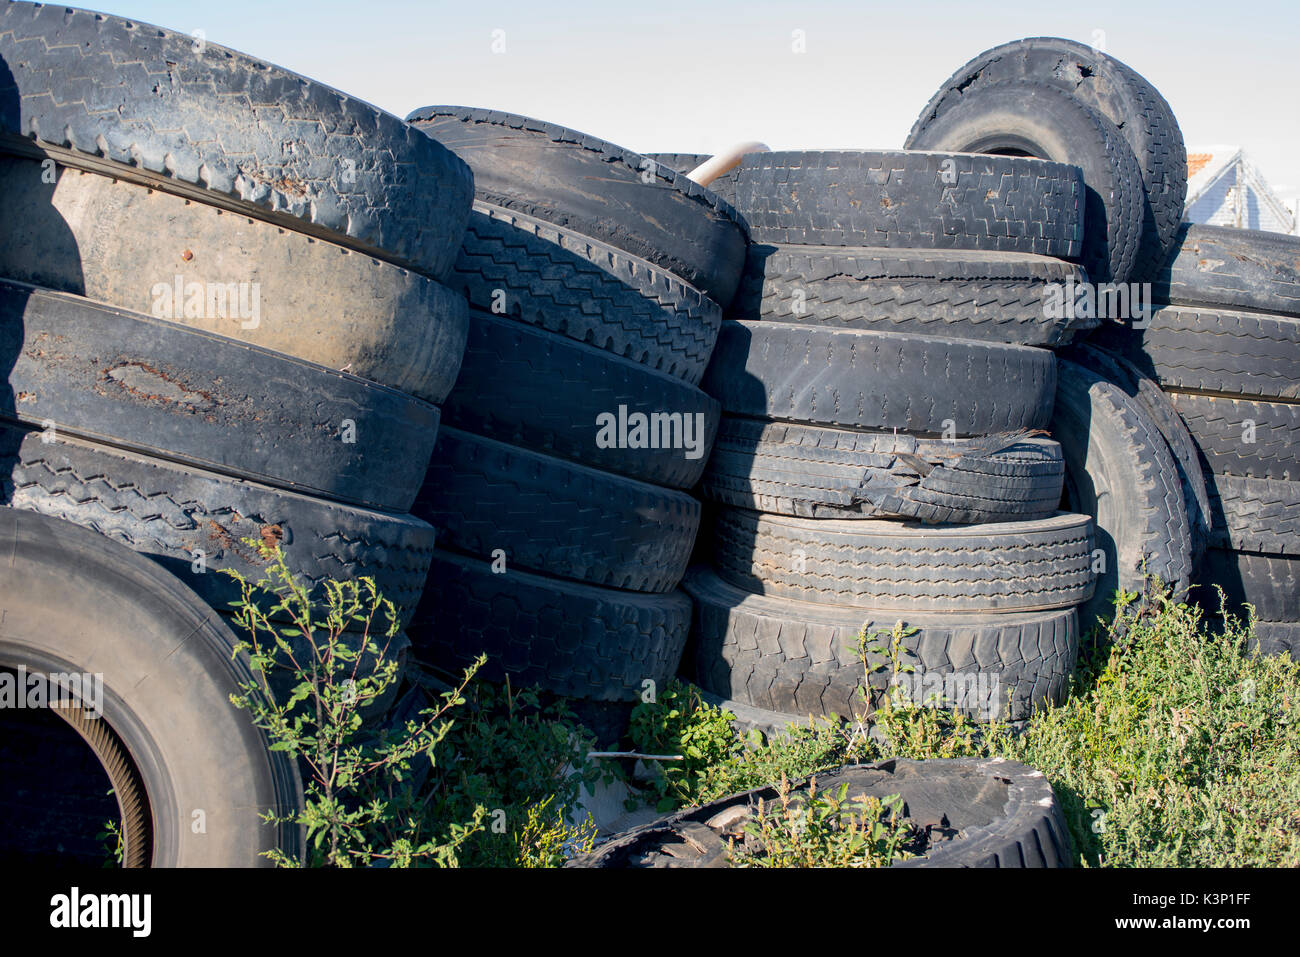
673,76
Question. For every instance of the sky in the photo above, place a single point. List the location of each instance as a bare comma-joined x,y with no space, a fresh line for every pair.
669,76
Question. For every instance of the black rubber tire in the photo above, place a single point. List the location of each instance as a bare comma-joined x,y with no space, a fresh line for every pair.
913,200
1114,90
152,386
1120,471
1158,405
74,601
959,294
896,566
863,379
799,657
597,189
746,718
556,517
530,270
1043,121
175,515
528,387
1278,638
811,472
1256,515
105,93
1220,427
1232,269
568,638
1216,351
1005,815
686,163
1271,583
119,243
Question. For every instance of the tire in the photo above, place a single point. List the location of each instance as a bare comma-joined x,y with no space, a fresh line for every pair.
912,200
553,278
1222,426
1114,90
809,472
1277,638
747,719
195,523
863,379
125,245
1161,409
1120,471
550,172
527,387
799,657
1228,268
1037,120
997,813
892,566
686,163
1271,583
104,94
568,638
1256,515
129,380
1217,352
555,517
957,294
168,670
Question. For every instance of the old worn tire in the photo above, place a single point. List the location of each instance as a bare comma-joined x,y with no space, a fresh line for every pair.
597,189
1111,88
912,200
1005,815
119,243
1270,583
130,99
864,379
685,163
813,472
178,516
1243,436
799,657
903,566
1035,120
553,278
74,601
130,380
1232,269
958,294
1120,471
556,517
568,638
1278,638
1256,515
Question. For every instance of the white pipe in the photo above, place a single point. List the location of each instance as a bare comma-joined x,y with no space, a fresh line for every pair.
728,159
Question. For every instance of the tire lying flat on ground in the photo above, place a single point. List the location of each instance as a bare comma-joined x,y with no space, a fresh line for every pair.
1271,583
195,523
1256,515
959,294
973,812
524,268
1036,120
800,657
217,126
1109,87
812,472
1243,436
1232,269
78,367
569,638
168,672
154,252
912,200
1120,471
550,172
863,379
556,517
545,392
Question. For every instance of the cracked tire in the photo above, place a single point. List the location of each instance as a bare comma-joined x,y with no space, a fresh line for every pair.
1232,269
1221,427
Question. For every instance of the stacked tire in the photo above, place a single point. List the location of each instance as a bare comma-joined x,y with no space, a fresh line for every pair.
885,383
224,319
576,427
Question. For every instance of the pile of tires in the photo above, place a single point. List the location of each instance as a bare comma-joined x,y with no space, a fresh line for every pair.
560,482
886,380
224,317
